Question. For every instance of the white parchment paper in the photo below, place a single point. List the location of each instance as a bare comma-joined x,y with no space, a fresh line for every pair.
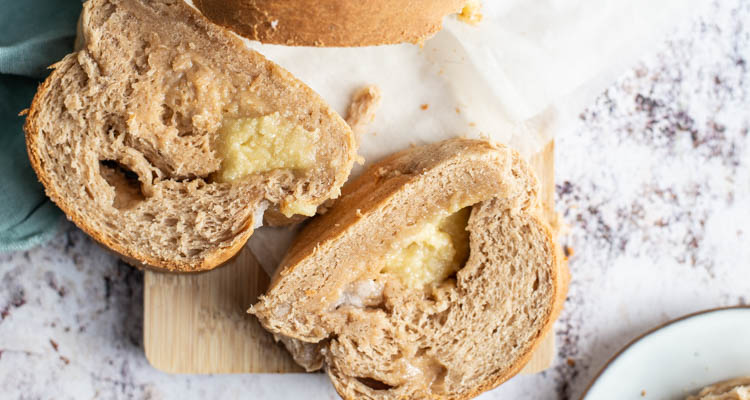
520,77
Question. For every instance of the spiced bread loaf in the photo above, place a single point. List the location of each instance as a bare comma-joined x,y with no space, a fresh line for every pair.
166,139
433,276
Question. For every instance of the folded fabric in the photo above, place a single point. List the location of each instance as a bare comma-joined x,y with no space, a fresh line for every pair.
33,35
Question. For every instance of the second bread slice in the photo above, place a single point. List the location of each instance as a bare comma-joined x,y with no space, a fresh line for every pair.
434,276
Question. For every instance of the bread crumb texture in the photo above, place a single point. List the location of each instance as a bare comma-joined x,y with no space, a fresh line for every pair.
165,138
433,276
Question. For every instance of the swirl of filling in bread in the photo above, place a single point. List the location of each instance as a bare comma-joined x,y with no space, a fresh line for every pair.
433,276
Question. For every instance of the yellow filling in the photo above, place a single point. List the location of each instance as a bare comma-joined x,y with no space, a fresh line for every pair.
433,253
252,145
298,207
470,13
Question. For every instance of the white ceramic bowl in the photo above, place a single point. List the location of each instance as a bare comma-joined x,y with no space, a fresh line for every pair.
678,358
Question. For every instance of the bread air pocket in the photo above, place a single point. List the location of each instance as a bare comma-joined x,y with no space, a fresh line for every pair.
433,276
167,140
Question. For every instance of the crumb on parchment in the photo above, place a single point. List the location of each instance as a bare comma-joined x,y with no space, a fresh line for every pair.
362,108
471,13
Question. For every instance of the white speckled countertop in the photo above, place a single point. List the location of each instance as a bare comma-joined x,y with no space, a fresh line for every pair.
654,184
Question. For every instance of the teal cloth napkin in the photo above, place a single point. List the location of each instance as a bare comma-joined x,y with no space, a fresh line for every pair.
33,35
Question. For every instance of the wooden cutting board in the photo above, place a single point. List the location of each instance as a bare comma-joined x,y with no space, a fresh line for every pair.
197,324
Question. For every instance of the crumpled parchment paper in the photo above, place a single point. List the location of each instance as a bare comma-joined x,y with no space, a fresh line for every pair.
519,77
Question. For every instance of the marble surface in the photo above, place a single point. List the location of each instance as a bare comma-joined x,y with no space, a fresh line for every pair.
654,184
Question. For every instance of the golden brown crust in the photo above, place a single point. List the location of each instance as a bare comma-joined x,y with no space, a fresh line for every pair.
334,23
366,192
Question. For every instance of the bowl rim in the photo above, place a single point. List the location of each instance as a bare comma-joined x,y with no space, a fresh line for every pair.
651,331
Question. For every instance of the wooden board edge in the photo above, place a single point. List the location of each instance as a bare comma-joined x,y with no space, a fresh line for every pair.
543,164
217,302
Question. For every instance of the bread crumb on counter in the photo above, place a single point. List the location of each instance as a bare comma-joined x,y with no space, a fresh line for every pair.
568,251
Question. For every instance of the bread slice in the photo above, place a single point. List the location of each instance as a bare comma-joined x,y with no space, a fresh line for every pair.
135,136
334,23
733,389
339,301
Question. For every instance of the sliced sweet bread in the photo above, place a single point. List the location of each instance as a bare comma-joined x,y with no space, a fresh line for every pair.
166,139
433,276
